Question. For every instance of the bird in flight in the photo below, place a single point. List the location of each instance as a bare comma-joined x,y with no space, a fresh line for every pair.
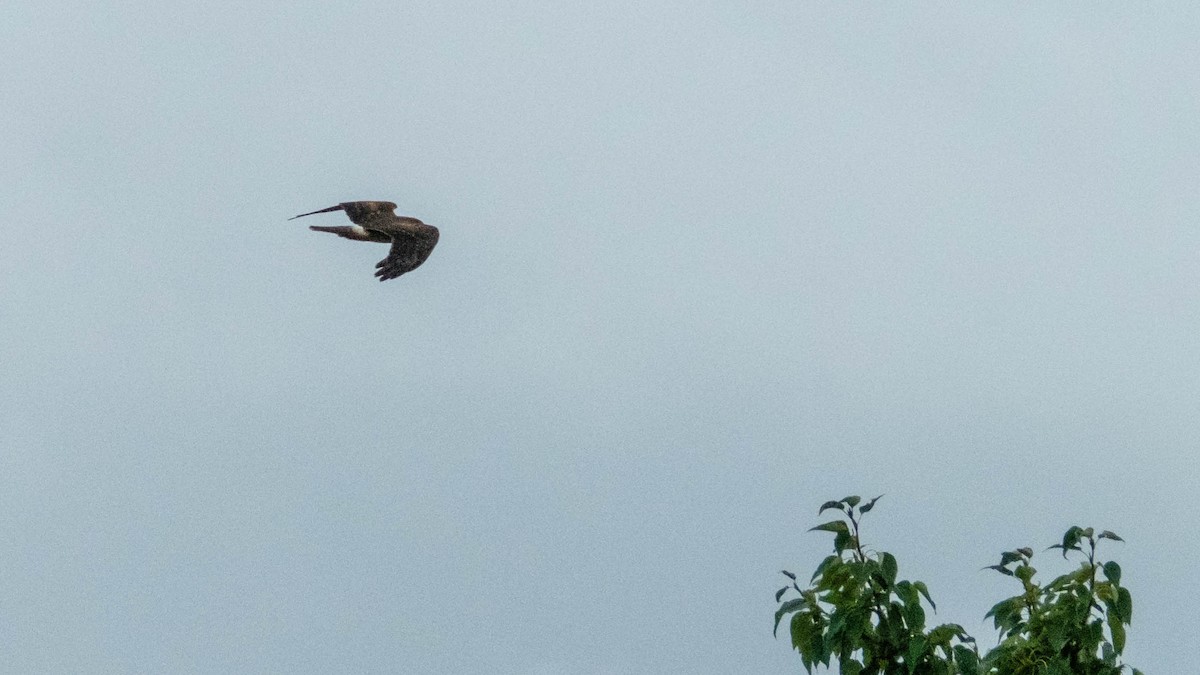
412,241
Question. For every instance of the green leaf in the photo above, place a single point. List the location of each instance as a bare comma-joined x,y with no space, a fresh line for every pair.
894,629
821,649
779,593
916,649
858,622
869,505
1005,613
999,568
959,632
1070,540
1108,534
831,526
829,505
829,561
941,635
788,607
1118,633
967,660
803,631
1112,572
1057,635
800,627
813,646
1026,551
924,590
1125,605
851,667
852,501
890,568
914,616
842,541
837,621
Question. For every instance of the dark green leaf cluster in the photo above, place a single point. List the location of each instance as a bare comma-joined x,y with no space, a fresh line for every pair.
857,611
1073,625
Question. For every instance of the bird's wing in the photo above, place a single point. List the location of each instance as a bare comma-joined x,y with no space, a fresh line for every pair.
366,213
410,248
360,213
332,208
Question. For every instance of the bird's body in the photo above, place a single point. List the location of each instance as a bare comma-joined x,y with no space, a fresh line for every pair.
412,241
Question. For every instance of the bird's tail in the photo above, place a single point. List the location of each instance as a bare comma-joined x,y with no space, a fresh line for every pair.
347,231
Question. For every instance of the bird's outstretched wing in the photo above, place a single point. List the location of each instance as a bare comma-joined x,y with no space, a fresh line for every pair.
411,245
361,213
332,208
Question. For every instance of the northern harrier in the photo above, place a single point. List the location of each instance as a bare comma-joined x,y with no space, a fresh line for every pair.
412,241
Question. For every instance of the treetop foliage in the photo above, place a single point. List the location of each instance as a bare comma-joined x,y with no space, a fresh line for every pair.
855,610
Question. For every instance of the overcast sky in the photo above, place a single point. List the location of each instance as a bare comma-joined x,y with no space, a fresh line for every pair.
702,267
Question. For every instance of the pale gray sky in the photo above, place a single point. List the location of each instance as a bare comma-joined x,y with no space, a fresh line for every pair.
703,266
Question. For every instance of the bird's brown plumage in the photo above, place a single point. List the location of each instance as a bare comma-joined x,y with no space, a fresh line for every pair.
412,241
